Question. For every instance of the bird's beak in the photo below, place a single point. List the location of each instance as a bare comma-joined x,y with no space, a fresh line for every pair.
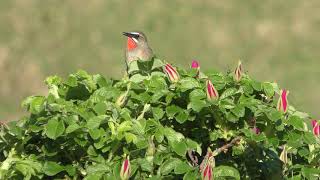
129,34
126,34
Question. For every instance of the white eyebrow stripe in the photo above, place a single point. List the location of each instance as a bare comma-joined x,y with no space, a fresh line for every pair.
136,33
135,40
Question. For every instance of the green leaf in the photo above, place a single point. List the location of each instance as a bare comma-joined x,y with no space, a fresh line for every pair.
239,111
180,148
124,126
157,112
256,85
228,92
197,105
37,104
310,173
182,116
95,121
71,128
182,168
274,115
138,78
226,172
91,151
157,63
72,81
159,135
188,83
172,110
296,122
100,108
71,170
51,168
131,138
95,133
268,89
169,165
172,135
54,128
191,175
197,94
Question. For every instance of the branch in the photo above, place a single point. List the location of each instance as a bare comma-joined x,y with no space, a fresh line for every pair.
194,159
227,146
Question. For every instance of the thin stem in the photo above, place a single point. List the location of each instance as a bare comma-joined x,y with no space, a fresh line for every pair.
227,146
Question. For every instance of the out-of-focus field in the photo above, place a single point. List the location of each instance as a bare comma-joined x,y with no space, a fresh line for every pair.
277,41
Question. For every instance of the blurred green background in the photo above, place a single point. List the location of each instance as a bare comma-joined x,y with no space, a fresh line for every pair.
276,40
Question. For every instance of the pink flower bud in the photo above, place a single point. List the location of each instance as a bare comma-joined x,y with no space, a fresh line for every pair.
207,174
172,73
212,93
125,169
283,101
315,128
207,165
238,72
195,65
255,130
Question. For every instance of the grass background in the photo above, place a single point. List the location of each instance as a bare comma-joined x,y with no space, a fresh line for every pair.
276,40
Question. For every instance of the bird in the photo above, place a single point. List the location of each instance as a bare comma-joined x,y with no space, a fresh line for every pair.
137,47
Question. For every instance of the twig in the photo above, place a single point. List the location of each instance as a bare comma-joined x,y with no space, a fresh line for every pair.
194,159
226,146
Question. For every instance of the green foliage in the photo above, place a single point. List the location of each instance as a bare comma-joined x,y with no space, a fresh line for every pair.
87,124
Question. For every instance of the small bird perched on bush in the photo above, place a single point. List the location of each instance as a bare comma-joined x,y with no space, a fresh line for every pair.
137,47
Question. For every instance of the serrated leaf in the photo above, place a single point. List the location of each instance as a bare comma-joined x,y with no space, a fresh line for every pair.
71,128
182,116
238,111
51,168
169,165
296,122
188,83
191,175
268,89
124,126
172,111
182,168
138,78
100,108
226,171
54,128
197,105
157,112
228,92
95,121
197,94
180,148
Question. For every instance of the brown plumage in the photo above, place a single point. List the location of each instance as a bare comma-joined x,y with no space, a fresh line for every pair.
137,47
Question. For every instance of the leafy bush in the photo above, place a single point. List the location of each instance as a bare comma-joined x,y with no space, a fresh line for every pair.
227,125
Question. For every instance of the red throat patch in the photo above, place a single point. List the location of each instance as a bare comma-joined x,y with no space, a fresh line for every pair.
131,44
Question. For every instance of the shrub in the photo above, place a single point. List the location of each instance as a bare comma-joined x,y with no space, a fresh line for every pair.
161,122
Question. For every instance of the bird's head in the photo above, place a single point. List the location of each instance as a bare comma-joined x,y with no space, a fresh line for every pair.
135,39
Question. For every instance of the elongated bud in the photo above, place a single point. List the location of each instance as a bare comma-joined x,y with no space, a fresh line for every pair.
212,93
207,174
122,99
172,73
315,128
151,147
125,169
207,165
238,72
195,65
282,105
284,155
